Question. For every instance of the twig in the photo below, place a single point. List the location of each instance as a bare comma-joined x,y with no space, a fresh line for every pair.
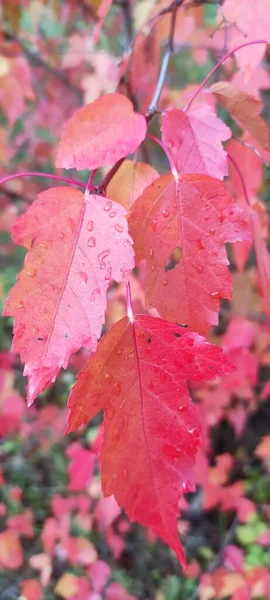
218,558
166,58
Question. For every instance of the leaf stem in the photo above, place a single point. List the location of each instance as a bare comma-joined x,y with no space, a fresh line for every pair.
46,176
166,151
129,303
238,170
220,62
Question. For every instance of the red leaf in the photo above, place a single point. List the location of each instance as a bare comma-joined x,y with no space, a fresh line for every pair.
138,377
182,234
75,245
245,110
100,133
195,141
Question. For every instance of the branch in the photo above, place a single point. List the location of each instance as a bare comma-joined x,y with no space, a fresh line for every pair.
166,58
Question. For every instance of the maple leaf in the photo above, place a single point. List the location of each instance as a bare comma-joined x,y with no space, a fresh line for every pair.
248,21
138,377
76,245
245,110
195,140
100,133
181,231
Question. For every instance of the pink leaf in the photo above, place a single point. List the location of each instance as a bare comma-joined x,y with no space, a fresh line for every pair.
100,133
76,245
195,140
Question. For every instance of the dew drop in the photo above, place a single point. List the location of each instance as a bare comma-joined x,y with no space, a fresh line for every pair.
40,260
214,294
212,231
112,214
165,213
221,218
118,227
197,267
125,473
151,252
108,377
154,225
107,206
152,268
61,235
91,242
90,226
127,243
83,277
94,295
200,244
165,282
116,390
43,245
102,257
108,275
31,272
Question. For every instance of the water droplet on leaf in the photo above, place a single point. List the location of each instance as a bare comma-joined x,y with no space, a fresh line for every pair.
118,227
102,257
107,206
83,277
90,226
31,271
91,242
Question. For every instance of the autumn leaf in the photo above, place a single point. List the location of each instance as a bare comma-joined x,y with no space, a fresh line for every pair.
76,244
245,110
181,232
100,133
195,140
138,377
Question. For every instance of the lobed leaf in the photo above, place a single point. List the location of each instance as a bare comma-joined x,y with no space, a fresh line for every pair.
181,232
151,435
76,245
195,140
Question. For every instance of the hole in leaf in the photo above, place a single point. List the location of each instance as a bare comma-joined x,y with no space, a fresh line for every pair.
173,259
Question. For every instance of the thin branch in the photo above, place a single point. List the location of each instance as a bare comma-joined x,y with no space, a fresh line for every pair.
166,58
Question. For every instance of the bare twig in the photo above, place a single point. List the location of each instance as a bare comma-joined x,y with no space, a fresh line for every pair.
166,58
